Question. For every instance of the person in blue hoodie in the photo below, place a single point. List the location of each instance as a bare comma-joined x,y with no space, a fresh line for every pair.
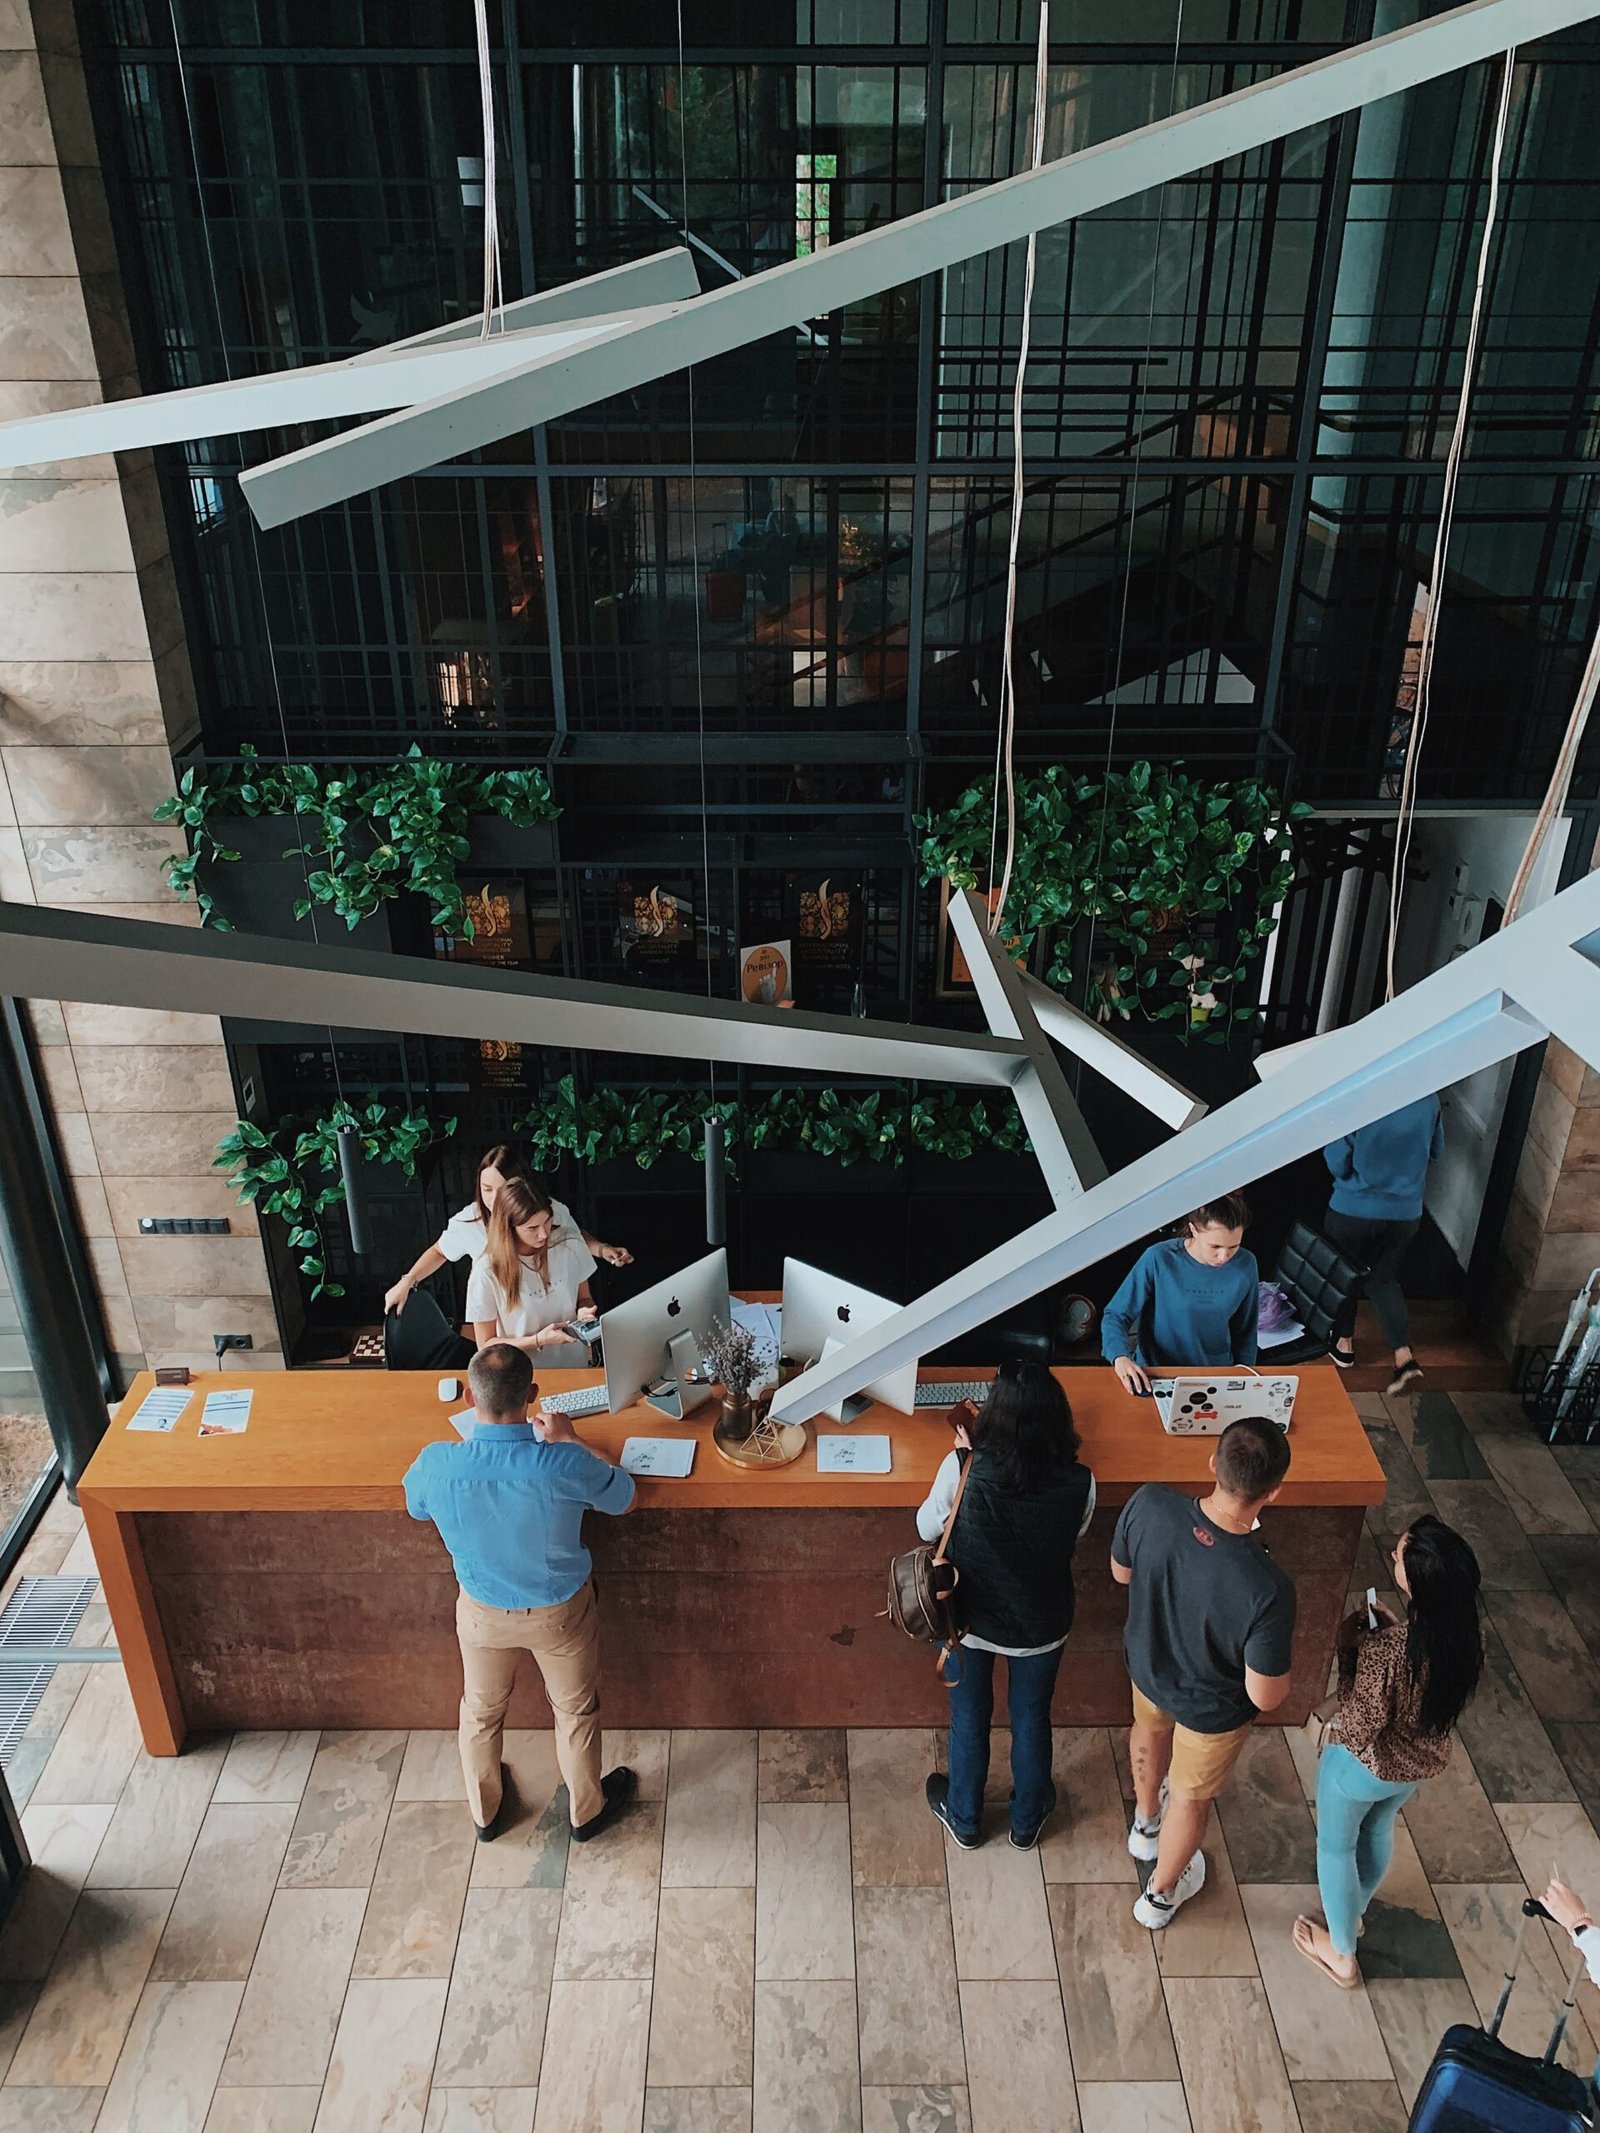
1375,1211
1189,1301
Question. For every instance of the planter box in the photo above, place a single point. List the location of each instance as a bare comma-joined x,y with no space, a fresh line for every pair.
495,842
257,891
800,1170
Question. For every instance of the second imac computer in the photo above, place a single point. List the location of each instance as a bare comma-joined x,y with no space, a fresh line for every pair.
821,1312
652,1342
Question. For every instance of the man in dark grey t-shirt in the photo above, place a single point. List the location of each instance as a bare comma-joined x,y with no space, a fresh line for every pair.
1210,1622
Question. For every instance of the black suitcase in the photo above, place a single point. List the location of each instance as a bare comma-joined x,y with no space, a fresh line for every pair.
1476,2084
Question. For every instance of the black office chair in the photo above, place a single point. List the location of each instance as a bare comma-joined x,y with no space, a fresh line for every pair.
1320,1284
421,1338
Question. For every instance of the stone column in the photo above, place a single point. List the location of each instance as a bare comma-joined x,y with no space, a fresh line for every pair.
95,694
1552,1232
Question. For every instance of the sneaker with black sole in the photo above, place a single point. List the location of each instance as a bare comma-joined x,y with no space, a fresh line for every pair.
1144,1838
1344,1357
619,1787
1157,1912
1406,1379
1025,1840
488,1831
937,1794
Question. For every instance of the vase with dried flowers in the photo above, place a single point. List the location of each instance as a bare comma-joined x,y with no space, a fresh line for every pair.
745,1432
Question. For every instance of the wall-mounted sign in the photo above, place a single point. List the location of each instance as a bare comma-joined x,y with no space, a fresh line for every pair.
499,1064
825,926
764,974
655,927
955,976
499,914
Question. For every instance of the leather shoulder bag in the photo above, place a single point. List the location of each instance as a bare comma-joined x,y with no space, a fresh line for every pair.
922,1589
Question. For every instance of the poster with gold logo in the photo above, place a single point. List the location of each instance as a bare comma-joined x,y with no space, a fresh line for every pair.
499,914
499,1064
655,928
825,922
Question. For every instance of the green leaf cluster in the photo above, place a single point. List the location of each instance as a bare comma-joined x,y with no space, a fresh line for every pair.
292,1169
880,1126
1178,875
367,834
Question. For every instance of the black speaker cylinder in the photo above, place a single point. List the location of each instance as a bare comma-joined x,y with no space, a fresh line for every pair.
352,1168
716,1184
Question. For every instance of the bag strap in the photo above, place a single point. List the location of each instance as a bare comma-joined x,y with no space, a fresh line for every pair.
944,1538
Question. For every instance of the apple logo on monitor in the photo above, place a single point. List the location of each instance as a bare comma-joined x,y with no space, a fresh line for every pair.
844,1314
674,1308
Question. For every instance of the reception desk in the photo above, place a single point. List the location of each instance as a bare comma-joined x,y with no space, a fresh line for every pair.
273,1579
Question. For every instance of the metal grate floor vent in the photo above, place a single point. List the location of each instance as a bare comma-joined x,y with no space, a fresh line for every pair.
40,1617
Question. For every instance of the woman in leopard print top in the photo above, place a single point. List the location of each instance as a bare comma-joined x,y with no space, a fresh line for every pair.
1402,1687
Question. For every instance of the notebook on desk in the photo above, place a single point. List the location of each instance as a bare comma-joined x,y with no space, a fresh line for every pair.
1198,1404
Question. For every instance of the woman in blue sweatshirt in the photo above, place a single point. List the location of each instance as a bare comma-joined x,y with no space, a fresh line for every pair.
1376,1210
1190,1301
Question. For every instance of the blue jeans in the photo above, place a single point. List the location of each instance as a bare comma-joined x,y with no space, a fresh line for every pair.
1030,1683
1355,1840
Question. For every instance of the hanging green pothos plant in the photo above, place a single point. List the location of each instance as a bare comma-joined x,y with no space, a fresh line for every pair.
1174,878
878,1126
293,1170
367,834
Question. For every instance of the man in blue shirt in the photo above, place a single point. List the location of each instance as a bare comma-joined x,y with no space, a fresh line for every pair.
1379,1175
509,1505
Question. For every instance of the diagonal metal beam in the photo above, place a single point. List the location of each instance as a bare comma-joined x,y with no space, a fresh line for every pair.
1454,1022
288,399
659,278
1062,1142
901,251
1106,1053
118,962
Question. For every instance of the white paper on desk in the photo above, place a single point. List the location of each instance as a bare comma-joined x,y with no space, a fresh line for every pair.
852,1455
160,1409
765,1321
670,1458
226,1414
462,1423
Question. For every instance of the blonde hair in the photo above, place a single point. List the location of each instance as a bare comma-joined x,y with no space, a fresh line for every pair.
517,1201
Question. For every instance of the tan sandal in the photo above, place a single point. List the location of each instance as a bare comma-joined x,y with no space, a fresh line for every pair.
1303,1947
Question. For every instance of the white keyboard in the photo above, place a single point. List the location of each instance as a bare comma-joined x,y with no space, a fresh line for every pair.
587,1400
946,1394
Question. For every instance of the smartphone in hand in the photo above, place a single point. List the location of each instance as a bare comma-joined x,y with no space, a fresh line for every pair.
1372,1607
962,1415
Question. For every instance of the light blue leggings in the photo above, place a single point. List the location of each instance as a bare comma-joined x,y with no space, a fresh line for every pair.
1355,1840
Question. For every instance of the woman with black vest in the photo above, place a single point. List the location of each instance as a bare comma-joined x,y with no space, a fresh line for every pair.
1026,1501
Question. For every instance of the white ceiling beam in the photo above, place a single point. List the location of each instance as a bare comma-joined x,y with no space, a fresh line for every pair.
74,955
1062,1142
659,278
1101,1049
902,251
289,399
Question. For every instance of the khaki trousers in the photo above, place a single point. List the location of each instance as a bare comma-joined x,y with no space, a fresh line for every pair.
565,1643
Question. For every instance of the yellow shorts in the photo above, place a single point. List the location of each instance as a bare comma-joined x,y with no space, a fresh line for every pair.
1200,1761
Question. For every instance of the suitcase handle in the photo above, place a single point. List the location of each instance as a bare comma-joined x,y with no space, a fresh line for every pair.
1533,1908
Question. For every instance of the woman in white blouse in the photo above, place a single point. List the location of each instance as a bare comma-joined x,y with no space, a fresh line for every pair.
531,1281
465,1234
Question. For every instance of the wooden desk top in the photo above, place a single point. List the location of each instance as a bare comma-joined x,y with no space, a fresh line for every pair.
342,1440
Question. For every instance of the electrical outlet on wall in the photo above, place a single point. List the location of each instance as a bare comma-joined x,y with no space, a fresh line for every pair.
222,1342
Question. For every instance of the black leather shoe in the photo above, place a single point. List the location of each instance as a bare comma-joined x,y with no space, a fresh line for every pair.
488,1831
937,1793
1025,1841
619,1787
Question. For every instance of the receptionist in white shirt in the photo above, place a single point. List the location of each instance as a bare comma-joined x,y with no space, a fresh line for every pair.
530,1283
465,1234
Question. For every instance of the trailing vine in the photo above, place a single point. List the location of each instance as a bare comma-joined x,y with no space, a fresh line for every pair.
370,834
292,1170
880,1126
1179,876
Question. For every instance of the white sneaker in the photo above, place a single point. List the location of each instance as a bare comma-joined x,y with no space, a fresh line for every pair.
1156,1911
1144,1839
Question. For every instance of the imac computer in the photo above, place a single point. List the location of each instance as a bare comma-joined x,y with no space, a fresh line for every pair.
821,1313
652,1342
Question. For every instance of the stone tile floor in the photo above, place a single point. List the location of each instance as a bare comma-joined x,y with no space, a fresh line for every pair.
280,1933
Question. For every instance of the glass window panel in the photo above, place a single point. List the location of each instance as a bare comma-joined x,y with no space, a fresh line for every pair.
1172,323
